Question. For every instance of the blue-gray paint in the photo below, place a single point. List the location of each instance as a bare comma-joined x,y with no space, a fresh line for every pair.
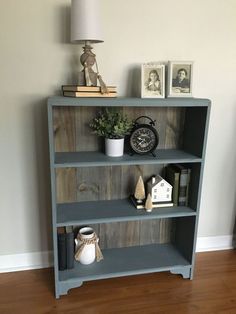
176,257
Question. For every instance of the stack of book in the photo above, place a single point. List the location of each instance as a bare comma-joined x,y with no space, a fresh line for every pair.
65,237
87,91
141,204
179,177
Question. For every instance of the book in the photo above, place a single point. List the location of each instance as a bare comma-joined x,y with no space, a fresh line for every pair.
188,184
184,180
89,94
70,250
172,176
78,88
61,241
65,236
141,205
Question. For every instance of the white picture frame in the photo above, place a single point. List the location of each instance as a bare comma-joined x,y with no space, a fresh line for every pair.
180,79
152,80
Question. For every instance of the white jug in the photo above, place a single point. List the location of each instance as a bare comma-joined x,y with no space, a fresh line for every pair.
88,253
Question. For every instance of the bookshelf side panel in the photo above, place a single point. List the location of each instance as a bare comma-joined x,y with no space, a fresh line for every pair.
194,130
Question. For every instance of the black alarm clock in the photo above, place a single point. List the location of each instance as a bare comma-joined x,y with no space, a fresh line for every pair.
144,137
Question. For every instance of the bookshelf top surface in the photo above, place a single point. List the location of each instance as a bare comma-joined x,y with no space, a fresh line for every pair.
128,102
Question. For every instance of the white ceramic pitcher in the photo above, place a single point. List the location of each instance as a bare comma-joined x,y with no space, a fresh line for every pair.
88,255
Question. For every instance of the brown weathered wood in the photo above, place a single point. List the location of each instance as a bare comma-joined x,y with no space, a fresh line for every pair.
66,185
156,231
93,184
174,127
72,133
85,139
213,290
64,129
64,138
119,234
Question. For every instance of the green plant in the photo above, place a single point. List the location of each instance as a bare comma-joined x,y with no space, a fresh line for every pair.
111,123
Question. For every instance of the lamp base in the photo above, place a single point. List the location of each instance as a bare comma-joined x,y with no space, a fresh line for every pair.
88,77
82,81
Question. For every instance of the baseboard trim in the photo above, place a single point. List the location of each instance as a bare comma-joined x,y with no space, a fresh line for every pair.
36,260
206,244
26,261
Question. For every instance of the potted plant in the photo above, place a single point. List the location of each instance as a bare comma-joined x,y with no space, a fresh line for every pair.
113,126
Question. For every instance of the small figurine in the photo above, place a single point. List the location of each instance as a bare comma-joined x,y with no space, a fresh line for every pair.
159,193
148,203
87,77
139,193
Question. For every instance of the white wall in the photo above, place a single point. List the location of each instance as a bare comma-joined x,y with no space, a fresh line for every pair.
36,59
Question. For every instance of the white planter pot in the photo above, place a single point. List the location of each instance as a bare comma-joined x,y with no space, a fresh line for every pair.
114,147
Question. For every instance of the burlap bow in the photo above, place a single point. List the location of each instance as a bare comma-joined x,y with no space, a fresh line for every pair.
84,242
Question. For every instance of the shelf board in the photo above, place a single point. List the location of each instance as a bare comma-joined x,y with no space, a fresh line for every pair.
128,102
93,212
96,159
127,261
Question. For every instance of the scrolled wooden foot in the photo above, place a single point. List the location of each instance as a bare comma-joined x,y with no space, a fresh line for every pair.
64,287
184,271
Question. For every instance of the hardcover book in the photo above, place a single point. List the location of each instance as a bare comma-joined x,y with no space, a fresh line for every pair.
141,205
89,94
78,88
184,179
61,251
172,176
69,250
65,236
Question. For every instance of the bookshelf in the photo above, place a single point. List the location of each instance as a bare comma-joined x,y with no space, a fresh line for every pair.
89,188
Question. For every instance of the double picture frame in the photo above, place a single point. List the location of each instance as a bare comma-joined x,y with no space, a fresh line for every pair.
179,81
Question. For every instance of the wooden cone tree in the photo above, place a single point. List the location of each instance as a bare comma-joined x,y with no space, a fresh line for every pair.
148,203
139,193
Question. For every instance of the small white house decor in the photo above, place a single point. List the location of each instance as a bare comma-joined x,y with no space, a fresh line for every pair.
160,190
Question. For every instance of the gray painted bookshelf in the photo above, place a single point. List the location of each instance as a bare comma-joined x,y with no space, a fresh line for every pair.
89,188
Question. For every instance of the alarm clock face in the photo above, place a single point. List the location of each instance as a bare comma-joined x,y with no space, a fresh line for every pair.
144,139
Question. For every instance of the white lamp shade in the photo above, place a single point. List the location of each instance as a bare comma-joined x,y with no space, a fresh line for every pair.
85,21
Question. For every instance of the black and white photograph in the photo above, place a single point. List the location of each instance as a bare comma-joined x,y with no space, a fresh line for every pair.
180,75
153,81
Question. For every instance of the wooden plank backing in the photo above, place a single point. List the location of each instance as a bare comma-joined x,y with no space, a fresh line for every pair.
72,133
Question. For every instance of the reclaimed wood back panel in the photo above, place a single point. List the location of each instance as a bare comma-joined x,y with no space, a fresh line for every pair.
72,133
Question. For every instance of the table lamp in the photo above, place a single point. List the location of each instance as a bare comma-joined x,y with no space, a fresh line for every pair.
86,29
